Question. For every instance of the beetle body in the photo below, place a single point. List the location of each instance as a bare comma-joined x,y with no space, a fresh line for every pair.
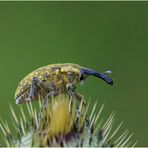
54,78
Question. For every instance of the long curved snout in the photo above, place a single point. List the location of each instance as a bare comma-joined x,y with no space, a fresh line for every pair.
87,72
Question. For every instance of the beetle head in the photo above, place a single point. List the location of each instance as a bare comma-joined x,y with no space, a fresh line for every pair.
90,72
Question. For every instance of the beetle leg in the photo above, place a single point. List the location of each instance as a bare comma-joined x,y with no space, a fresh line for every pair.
71,90
39,83
50,95
79,97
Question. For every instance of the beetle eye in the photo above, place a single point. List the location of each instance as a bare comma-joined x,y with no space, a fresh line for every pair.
83,77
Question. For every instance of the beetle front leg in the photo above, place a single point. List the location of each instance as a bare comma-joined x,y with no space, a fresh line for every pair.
71,90
79,97
74,94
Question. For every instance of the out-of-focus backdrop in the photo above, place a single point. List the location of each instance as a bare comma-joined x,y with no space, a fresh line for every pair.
98,35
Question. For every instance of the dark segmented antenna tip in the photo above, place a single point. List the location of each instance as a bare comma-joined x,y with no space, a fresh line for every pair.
103,76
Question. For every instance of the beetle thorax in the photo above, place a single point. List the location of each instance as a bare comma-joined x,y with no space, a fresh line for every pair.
60,78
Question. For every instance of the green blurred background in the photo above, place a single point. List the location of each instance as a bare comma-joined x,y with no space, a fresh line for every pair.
99,35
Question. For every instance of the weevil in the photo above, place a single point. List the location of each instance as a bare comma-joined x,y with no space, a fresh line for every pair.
54,79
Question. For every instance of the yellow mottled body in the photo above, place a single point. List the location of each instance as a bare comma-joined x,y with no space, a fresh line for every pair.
55,77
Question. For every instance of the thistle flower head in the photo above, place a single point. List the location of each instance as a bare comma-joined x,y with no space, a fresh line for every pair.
63,121
57,118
